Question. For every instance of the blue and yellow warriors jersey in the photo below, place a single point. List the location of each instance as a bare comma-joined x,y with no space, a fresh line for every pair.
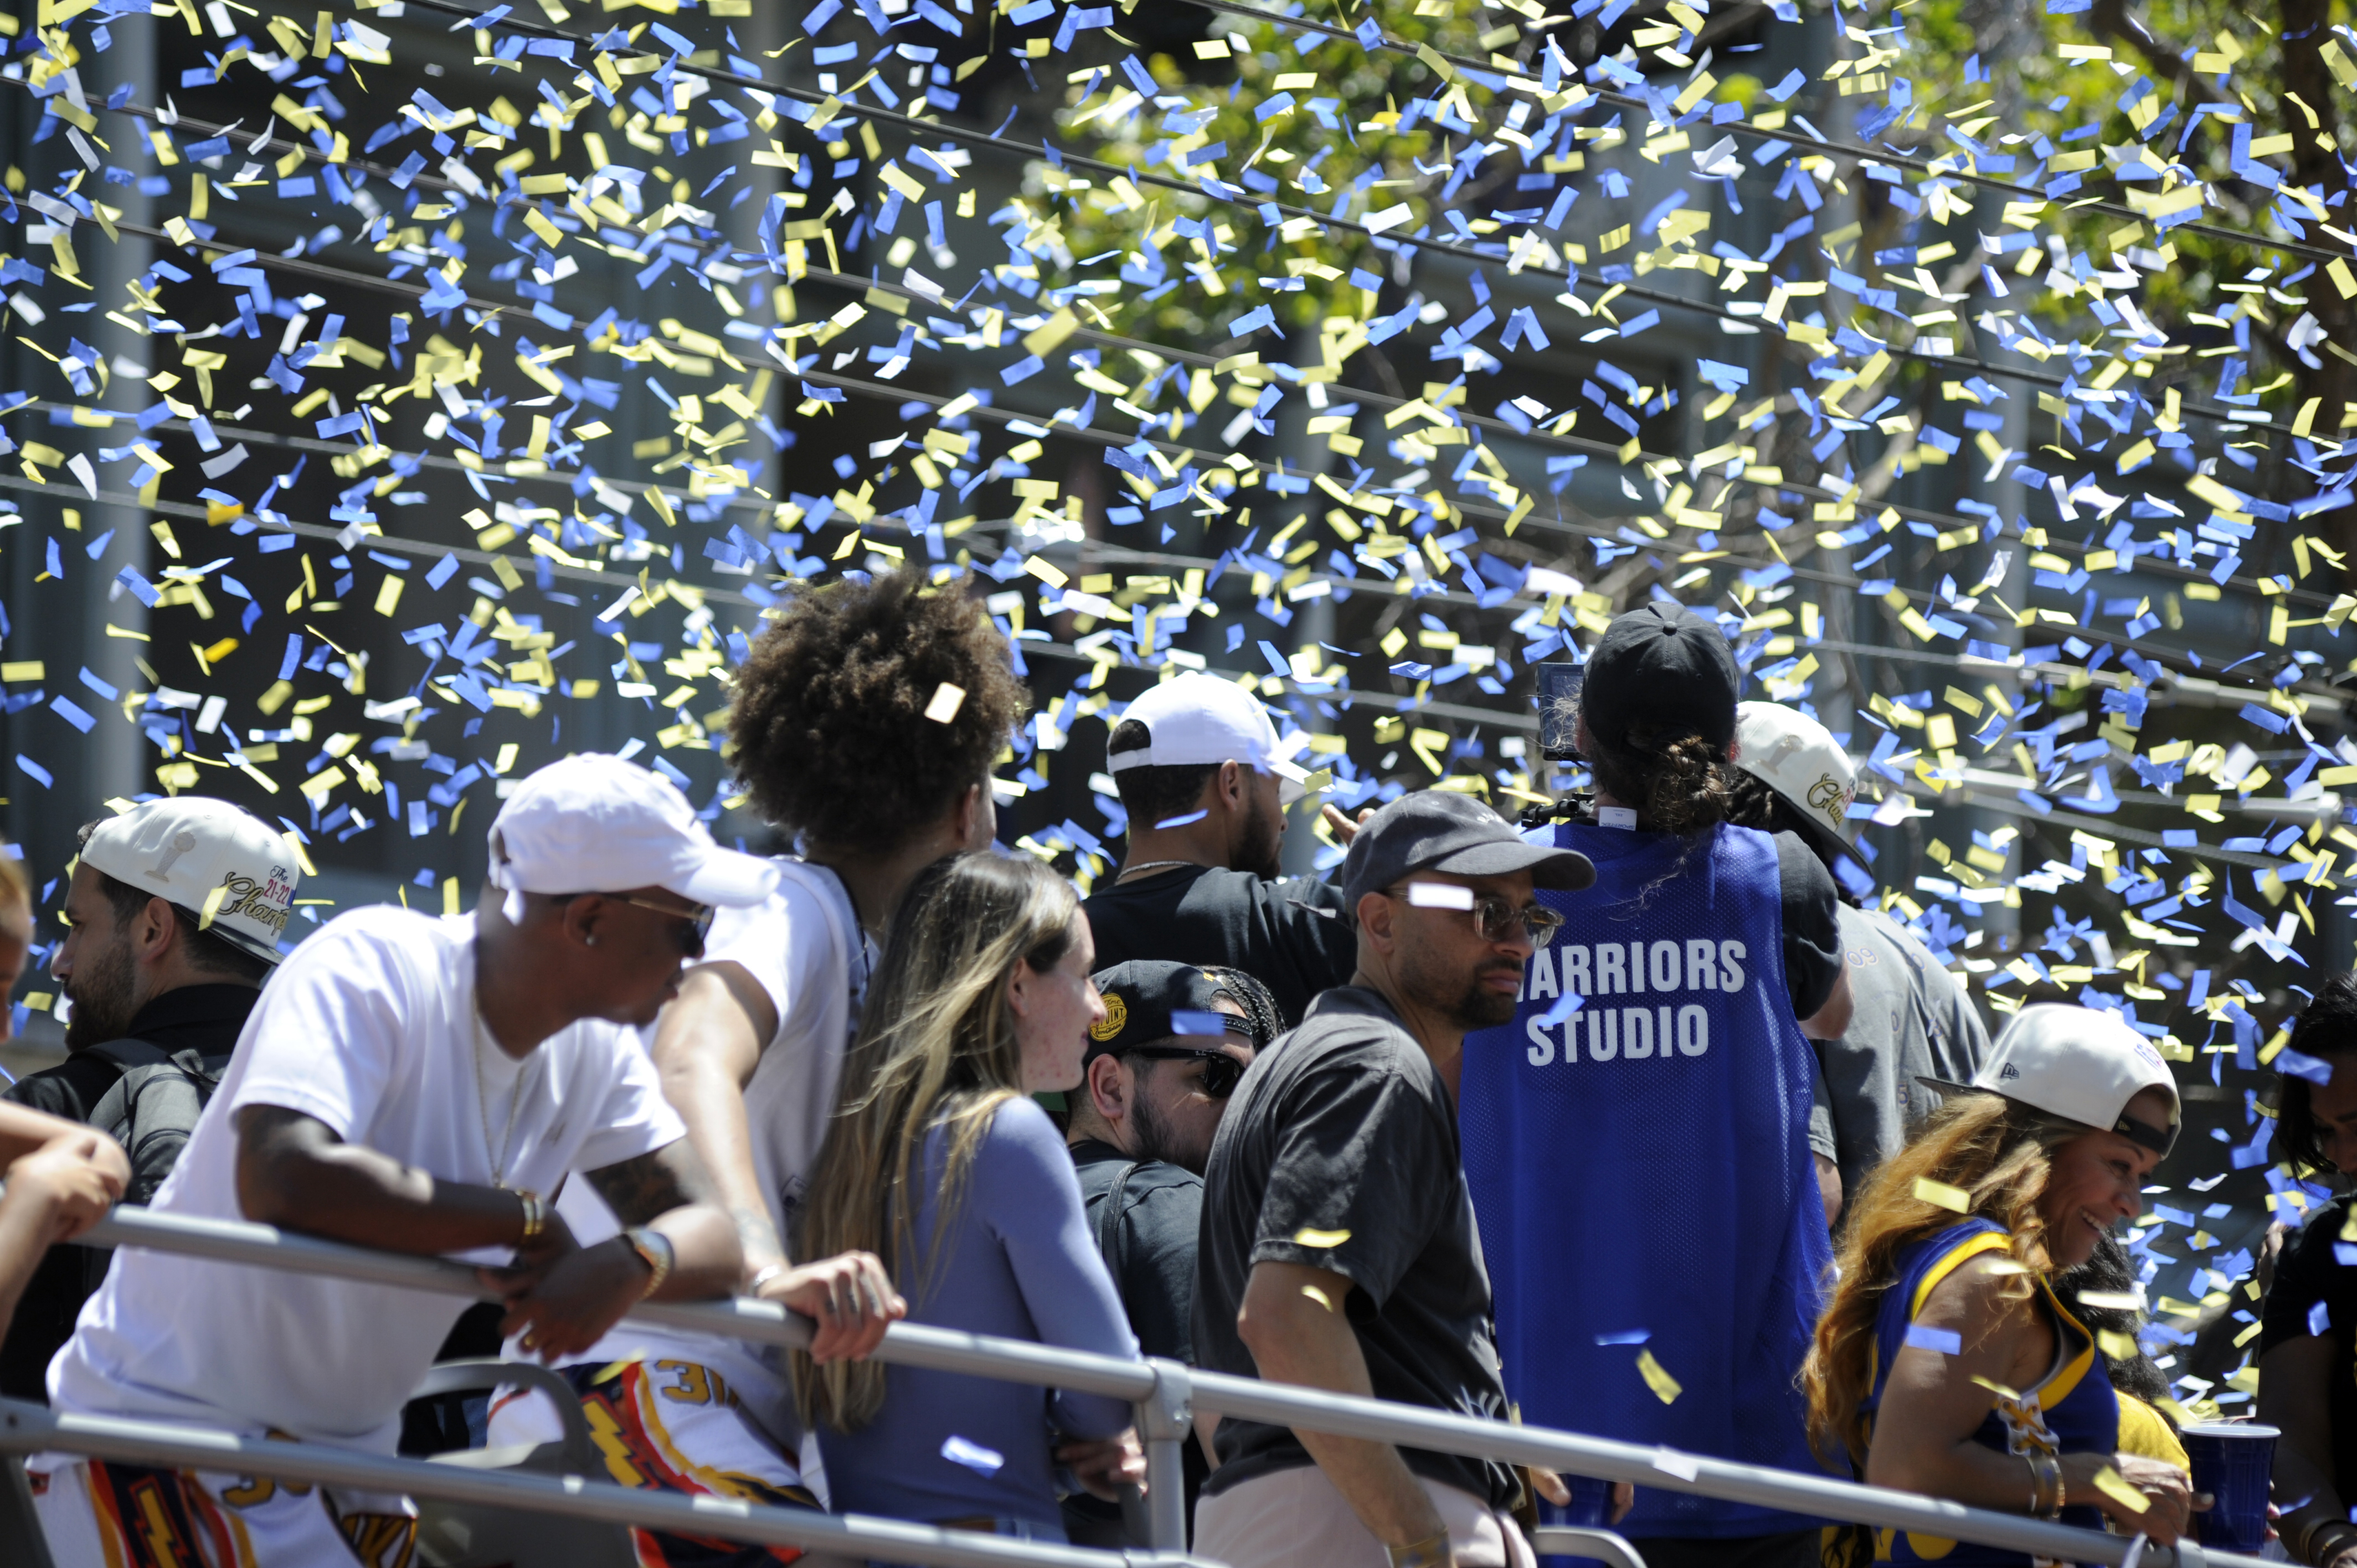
2071,1410
1639,1168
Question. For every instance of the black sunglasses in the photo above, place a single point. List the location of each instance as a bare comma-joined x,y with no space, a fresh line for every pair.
1221,1072
1495,918
694,922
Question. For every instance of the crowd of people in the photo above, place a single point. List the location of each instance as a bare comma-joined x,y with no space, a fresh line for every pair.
1629,1120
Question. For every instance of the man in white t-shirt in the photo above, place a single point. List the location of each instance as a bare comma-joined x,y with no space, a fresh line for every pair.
866,723
413,1084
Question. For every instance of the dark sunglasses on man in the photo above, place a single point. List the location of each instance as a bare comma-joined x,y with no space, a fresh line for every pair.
695,921
1221,1072
1495,918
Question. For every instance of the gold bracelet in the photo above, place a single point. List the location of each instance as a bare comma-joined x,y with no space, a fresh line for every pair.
654,1250
1432,1553
535,1214
2046,1479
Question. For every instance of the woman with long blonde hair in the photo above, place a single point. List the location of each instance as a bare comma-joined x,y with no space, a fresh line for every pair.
941,1163
1946,1363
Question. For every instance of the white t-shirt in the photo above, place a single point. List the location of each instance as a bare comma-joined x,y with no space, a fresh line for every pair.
369,1026
804,948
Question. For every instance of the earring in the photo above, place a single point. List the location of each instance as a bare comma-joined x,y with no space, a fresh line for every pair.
590,940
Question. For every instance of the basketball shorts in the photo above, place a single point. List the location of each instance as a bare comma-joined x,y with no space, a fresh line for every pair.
672,1426
98,1513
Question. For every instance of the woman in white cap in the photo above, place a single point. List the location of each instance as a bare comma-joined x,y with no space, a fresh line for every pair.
1947,1363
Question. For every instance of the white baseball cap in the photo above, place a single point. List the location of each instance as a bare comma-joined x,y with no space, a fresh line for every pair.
2081,1064
1798,757
595,824
1198,720
234,873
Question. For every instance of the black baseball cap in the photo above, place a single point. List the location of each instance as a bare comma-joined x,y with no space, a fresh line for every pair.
1440,829
1664,669
1150,1000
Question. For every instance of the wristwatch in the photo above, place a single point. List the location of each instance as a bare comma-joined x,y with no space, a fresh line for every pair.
655,1251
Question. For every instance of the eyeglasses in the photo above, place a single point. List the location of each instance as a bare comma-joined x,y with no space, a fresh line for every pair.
1221,1072
1495,920
696,921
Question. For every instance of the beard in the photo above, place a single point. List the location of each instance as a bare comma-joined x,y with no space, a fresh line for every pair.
1263,842
1461,998
1151,1132
104,998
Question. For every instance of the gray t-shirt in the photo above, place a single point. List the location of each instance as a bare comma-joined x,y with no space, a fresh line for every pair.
1910,1019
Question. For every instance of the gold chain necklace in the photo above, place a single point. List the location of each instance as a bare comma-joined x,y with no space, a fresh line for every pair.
497,1158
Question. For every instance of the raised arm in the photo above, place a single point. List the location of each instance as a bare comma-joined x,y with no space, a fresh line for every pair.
706,1045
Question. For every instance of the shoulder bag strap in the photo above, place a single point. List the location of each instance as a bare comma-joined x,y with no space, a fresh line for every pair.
1109,1223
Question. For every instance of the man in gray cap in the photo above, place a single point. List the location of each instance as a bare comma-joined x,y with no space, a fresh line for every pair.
173,919
1337,1169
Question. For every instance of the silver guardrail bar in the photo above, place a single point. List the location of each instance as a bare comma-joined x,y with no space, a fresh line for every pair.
1165,1392
27,1428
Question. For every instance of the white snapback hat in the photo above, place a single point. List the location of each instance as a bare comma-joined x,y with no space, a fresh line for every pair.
595,824
1197,720
225,866
2081,1064
1798,757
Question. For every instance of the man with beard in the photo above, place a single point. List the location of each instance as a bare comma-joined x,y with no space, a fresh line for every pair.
1198,765
173,919
1154,1083
1337,1171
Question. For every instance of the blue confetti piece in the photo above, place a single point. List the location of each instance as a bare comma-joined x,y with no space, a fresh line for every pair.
1570,1002
1187,821
1946,1341
1633,326
2319,1318
444,570
1625,1336
2301,1065
1184,1021
972,1455
32,770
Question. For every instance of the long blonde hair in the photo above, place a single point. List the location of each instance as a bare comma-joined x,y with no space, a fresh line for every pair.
1999,1154
937,1047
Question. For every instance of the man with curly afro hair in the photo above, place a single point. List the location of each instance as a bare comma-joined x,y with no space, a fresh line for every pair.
867,720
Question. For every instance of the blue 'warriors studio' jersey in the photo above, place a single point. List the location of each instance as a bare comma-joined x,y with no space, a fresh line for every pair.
2071,1410
1640,1171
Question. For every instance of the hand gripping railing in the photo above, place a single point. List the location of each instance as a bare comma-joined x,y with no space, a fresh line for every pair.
1165,1392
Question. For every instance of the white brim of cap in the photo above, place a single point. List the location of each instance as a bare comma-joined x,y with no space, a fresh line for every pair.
1291,783
728,878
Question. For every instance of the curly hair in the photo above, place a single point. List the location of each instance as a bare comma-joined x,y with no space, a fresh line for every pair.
828,729
1679,782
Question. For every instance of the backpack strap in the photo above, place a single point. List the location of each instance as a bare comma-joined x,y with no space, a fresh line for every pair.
128,1053
1109,1246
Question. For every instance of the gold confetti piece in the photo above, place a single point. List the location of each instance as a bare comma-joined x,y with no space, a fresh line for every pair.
2114,1300
1942,1193
1319,1296
947,700
2114,1485
1996,1387
2117,1346
1306,1237
1657,1378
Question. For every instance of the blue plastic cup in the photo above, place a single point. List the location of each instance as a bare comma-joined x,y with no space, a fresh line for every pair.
2232,1462
1591,1500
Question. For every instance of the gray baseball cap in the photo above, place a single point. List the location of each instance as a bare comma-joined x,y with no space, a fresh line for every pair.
1439,829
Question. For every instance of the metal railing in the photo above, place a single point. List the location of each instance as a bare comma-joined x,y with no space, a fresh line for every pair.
1165,1394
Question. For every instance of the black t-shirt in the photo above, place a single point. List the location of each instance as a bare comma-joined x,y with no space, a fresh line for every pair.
1294,937
1341,1151
205,1019
1151,1256
1813,943
2320,1264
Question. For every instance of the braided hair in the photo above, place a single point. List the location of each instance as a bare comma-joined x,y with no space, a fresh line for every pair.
1260,1008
